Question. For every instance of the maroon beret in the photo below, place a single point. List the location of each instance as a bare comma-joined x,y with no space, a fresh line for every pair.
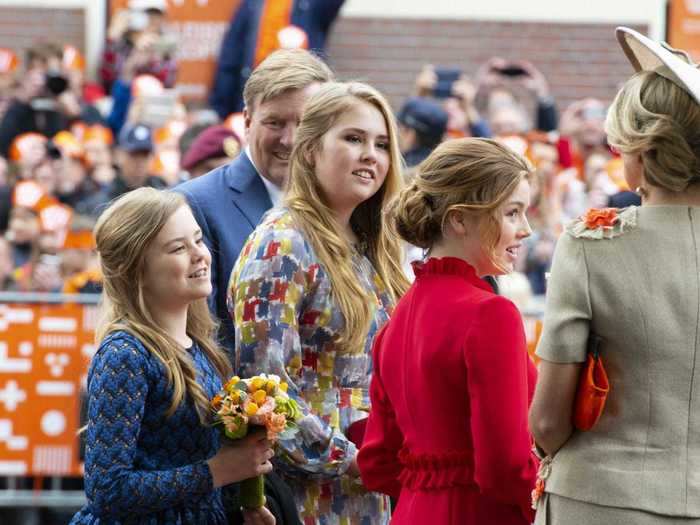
215,141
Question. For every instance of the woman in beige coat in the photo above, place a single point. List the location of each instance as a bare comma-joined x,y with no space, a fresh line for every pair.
632,278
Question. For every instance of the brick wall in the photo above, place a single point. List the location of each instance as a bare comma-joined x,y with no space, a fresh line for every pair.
20,27
579,60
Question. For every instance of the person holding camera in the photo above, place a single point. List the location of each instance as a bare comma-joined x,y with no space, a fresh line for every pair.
457,95
139,29
45,102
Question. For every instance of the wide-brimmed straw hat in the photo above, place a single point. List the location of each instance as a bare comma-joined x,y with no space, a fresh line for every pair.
648,55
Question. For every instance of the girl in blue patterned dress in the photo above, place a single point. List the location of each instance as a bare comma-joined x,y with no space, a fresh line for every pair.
312,286
151,456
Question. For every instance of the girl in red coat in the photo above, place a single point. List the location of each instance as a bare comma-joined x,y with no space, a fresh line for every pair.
452,380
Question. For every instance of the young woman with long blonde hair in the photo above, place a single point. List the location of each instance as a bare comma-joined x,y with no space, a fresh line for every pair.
315,282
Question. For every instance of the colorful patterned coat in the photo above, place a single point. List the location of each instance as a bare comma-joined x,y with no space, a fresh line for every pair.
286,324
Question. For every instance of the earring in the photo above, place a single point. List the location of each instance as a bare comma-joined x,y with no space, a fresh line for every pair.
641,191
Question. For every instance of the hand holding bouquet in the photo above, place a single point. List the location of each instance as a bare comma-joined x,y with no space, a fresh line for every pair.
261,401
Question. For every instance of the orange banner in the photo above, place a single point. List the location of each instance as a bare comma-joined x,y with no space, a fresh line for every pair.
683,26
44,354
198,26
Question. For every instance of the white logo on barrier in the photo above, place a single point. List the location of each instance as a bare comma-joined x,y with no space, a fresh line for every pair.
53,423
25,348
52,460
57,324
10,316
14,365
12,442
12,395
56,363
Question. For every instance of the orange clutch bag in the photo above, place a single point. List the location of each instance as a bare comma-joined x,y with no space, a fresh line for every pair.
593,388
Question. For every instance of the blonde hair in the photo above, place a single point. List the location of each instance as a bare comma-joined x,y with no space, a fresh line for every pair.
653,117
475,175
282,71
310,211
123,233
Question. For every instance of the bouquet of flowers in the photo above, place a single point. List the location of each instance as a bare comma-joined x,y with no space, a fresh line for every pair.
262,401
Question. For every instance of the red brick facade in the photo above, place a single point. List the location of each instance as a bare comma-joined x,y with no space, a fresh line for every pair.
579,60
20,27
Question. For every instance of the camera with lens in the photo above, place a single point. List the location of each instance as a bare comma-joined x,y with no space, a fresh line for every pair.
56,83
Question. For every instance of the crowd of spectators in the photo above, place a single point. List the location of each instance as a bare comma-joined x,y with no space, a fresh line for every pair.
511,102
69,146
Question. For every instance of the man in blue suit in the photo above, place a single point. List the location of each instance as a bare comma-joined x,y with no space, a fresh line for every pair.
229,201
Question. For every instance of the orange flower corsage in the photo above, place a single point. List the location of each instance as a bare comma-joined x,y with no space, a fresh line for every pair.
605,217
605,223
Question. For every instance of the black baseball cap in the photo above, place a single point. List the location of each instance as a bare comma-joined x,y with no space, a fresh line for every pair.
424,115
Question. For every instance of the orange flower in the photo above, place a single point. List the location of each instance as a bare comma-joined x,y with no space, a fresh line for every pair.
216,402
605,217
275,423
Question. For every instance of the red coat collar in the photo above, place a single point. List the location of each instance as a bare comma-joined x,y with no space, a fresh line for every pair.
449,266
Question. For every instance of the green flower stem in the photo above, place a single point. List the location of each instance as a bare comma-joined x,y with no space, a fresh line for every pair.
253,492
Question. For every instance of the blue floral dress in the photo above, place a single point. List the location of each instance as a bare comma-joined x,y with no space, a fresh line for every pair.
140,467
287,324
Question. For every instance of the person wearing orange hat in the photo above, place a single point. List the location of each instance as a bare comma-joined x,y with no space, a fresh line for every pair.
74,186
35,214
97,142
23,227
41,270
26,152
259,28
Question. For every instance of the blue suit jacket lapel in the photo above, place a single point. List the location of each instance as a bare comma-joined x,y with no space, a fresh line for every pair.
249,192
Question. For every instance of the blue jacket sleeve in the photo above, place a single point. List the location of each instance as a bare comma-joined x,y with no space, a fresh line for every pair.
327,11
121,97
118,387
227,87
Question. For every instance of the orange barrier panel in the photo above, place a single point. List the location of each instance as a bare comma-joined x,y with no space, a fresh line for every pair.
683,26
44,353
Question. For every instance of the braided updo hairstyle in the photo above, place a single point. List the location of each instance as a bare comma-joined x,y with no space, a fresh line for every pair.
471,174
653,117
